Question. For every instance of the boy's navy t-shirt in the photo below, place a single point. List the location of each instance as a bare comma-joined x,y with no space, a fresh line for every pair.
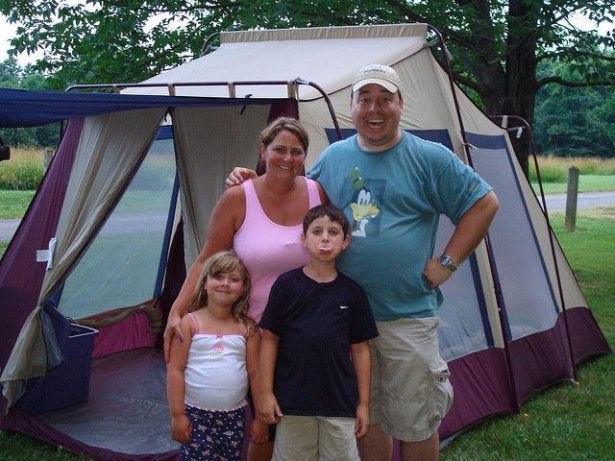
316,324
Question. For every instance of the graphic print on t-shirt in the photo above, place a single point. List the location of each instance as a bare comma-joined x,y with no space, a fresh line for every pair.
364,206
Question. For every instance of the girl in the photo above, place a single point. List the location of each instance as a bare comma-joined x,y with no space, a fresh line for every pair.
207,375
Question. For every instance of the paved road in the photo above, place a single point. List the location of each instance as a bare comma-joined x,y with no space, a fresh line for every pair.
140,223
555,203
8,228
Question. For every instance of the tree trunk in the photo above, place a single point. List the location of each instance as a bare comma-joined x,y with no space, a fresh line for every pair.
509,87
521,66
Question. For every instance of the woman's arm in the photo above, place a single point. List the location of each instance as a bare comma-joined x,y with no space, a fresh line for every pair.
361,361
226,217
181,429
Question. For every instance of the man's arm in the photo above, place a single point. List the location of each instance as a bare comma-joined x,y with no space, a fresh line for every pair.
361,360
470,230
239,175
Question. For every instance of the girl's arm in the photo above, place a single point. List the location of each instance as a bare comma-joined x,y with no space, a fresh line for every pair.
361,361
268,409
253,346
181,429
259,432
224,221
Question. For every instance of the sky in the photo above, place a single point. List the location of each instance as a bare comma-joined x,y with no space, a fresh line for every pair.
7,31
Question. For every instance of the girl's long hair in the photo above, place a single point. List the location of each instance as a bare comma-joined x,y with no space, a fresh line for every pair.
224,262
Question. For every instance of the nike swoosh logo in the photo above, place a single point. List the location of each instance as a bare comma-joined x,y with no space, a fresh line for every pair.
344,307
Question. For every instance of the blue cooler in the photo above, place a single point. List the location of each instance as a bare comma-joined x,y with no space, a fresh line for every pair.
69,382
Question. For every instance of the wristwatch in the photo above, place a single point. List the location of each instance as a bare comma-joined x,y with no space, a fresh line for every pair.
447,262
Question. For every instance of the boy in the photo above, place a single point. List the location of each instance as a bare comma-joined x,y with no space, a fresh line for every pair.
315,359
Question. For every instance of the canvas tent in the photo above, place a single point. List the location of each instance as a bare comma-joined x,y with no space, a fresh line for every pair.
117,238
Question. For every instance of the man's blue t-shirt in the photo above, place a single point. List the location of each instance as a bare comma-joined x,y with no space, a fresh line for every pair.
393,200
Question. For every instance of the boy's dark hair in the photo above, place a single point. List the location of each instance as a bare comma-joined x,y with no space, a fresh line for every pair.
330,211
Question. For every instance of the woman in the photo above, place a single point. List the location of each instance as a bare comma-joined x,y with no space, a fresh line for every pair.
262,222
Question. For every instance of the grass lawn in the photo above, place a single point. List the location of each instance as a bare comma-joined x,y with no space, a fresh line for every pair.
565,422
14,203
587,183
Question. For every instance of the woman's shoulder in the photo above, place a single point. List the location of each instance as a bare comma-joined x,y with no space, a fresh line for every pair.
233,194
231,206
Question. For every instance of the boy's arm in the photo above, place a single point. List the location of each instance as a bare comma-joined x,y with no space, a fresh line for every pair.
268,409
361,361
181,429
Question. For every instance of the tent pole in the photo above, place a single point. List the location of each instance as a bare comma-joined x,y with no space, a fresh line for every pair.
297,81
497,287
205,50
168,232
325,96
526,125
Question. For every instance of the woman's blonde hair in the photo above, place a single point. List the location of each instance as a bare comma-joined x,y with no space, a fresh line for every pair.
224,262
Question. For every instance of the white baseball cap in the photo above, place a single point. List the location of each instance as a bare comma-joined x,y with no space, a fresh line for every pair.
379,74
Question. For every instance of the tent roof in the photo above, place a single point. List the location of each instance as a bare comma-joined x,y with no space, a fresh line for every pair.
328,57
22,108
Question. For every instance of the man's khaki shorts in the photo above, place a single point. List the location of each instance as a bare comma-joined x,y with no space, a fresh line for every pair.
410,391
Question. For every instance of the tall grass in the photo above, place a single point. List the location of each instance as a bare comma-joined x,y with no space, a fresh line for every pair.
555,169
23,171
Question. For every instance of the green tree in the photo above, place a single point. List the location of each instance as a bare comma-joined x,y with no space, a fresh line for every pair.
603,116
497,44
573,121
12,75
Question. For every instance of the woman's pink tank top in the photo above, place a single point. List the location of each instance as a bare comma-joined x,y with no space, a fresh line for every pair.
268,249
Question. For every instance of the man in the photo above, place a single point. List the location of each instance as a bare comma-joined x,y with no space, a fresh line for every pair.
393,187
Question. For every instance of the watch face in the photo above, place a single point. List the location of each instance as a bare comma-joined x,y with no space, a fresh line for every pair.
447,262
